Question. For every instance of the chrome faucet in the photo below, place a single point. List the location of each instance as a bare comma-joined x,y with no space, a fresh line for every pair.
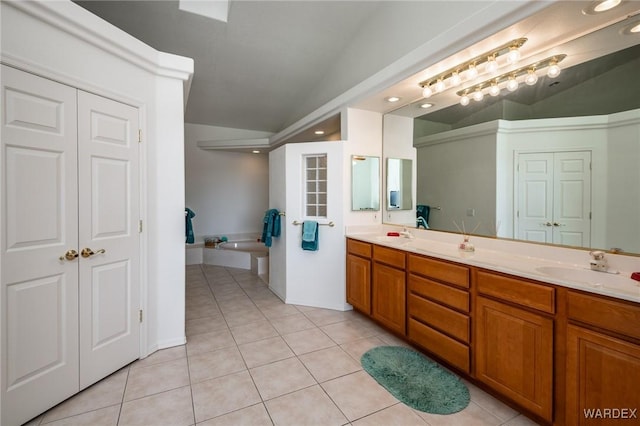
406,233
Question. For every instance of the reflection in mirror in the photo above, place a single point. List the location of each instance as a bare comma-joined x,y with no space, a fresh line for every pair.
399,187
365,183
487,164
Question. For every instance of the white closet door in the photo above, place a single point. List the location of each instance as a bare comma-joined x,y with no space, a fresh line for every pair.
572,199
39,225
108,224
535,197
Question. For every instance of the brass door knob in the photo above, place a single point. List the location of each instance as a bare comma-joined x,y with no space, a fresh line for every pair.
87,252
69,255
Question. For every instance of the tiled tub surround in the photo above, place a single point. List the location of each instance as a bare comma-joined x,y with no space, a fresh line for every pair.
556,346
252,360
515,258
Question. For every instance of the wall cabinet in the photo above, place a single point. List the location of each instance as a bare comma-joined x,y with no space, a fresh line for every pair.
603,365
359,276
388,294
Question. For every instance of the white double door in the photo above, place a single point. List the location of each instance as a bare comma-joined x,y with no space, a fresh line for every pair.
70,242
554,198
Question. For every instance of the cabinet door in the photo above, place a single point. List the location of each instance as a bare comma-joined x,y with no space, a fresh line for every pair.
359,283
389,297
514,354
603,379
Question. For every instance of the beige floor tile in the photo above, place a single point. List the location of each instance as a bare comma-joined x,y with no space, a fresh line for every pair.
281,377
292,323
473,415
489,403
327,316
357,348
327,364
358,395
238,318
205,324
215,397
520,421
168,408
102,417
256,415
253,331
396,415
211,341
162,355
345,331
156,378
265,351
201,312
105,393
278,311
209,365
313,339
310,406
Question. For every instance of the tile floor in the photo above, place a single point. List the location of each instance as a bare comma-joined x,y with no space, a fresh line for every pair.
252,360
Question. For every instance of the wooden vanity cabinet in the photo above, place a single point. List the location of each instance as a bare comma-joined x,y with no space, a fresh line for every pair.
603,361
359,275
438,307
513,340
388,294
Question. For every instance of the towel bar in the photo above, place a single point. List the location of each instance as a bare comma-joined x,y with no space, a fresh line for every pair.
331,224
282,214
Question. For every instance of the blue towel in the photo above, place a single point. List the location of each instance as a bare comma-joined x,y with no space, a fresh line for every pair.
188,225
310,235
271,226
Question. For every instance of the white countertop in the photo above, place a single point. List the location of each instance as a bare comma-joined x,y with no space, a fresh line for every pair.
561,272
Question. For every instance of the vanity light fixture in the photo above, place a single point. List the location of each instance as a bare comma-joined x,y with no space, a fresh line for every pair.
469,70
510,79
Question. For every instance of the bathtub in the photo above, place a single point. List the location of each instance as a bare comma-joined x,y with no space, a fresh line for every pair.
250,255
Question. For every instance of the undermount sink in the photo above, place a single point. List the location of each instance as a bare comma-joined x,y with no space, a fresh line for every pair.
596,279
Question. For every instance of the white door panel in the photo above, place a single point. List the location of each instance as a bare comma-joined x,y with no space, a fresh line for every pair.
554,198
108,202
39,209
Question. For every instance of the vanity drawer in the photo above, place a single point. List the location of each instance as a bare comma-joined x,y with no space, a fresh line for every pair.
442,271
447,295
442,318
389,256
520,292
619,317
358,248
454,352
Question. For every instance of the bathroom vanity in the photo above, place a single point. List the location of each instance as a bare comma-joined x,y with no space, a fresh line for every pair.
518,326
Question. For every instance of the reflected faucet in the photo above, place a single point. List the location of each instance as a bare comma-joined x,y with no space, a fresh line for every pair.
420,221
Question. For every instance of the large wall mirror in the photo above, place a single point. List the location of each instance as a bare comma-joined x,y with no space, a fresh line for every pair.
365,183
554,162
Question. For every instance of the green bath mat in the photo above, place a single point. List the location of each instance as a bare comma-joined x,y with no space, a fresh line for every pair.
415,380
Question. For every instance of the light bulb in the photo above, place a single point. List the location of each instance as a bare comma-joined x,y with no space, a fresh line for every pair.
472,72
531,78
491,66
494,90
464,100
456,80
514,55
440,86
427,92
478,95
512,84
554,70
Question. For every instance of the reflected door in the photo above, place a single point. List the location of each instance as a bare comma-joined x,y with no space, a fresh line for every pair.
554,198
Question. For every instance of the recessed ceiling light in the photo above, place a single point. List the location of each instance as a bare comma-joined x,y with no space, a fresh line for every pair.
392,99
319,132
633,28
425,106
600,6
255,151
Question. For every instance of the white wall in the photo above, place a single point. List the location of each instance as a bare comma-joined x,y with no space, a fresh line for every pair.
62,41
228,191
278,200
398,143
